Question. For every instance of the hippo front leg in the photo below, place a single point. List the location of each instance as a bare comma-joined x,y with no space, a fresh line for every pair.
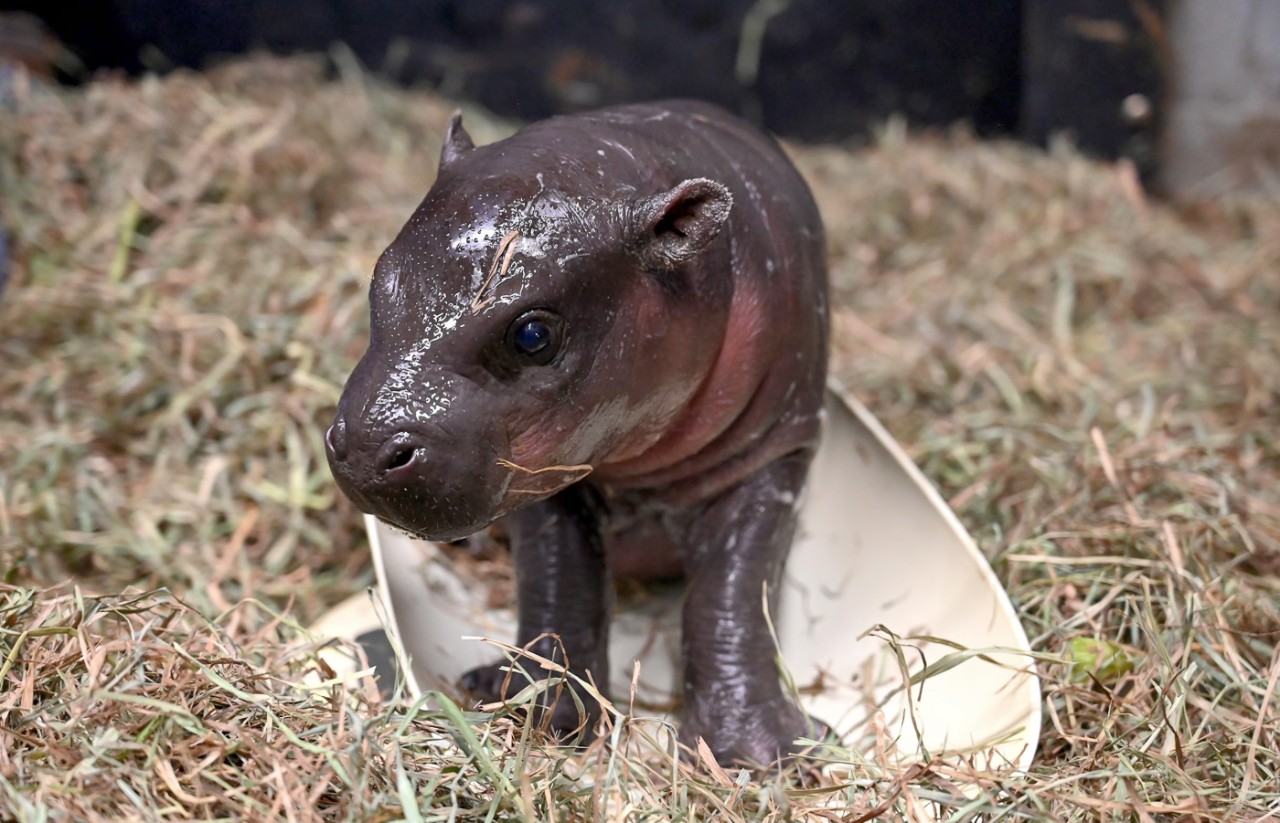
563,589
733,696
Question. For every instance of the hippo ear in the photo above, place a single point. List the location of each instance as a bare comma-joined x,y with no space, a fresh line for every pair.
671,228
456,141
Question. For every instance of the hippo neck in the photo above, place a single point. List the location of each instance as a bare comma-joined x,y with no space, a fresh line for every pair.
734,423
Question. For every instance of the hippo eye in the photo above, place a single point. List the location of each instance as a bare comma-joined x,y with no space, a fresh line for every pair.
535,336
532,337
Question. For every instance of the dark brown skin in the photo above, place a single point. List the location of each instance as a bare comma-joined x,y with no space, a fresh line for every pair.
609,332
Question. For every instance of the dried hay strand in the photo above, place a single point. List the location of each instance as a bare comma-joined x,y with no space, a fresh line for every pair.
1092,380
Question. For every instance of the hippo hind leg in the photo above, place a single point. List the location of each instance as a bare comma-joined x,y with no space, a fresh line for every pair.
564,603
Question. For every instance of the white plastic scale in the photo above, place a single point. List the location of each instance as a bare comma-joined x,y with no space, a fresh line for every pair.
877,546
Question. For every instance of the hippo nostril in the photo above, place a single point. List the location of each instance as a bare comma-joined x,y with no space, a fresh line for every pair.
336,439
400,451
401,458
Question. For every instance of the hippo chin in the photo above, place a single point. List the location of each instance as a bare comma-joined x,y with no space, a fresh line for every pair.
609,333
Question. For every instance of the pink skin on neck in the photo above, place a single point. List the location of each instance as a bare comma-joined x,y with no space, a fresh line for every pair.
740,366
659,425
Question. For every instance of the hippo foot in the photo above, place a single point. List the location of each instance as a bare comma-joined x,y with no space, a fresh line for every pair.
556,709
763,736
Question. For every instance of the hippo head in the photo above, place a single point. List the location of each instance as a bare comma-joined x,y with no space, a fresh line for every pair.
524,328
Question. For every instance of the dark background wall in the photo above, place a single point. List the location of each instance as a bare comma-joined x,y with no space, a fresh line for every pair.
807,69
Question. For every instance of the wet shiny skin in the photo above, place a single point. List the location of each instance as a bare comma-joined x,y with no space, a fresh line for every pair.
659,413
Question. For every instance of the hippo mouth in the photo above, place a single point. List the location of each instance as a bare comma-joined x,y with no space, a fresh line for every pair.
427,517
444,518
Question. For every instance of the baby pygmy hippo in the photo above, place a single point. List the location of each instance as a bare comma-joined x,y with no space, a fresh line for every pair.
609,332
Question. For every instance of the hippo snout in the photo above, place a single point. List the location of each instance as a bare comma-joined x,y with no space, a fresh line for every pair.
396,458
423,478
